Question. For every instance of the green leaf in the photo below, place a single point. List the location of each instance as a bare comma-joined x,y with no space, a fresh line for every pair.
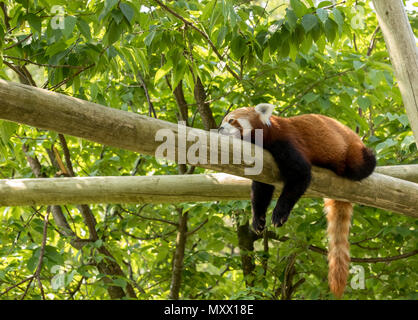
330,29
119,282
339,19
209,268
239,46
310,97
32,262
363,102
35,22
69,24
215,245
284,49
162,253
148,39
127,11
324,103
52,254
325,4
109,4
291,19
298,36
262,37
358,64
84,28
113,33
221,35
117,16
293,51
306,44
403,119
163,71
140,57
178,71
408,141
322,14
309,21
7,129
208,10
275,41
299,8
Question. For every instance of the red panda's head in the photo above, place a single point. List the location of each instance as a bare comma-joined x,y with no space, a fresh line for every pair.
243,120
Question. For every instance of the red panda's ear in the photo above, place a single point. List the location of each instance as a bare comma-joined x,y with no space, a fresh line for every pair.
265,111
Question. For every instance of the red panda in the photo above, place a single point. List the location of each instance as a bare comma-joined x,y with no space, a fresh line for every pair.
296,144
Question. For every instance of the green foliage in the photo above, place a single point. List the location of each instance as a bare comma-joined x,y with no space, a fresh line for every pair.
303,56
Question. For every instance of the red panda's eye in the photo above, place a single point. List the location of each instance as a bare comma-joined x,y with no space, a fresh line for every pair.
231,120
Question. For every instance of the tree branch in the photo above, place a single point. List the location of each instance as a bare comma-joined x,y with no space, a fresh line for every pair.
42,64
372,43
246,238
19,42
6,17
181,103
151,108
53,88
368,260
150,218
17,284
37,274
67,156
203,107
197,228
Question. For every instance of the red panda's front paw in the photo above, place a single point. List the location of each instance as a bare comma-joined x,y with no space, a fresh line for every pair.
258,224
279,217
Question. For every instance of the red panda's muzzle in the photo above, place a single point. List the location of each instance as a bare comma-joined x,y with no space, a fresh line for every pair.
229,130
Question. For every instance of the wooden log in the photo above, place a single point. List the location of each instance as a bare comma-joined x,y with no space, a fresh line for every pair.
405,172
166,189
53,111
401,45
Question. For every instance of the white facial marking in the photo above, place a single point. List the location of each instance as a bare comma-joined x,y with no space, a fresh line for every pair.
230,130
265,111
246,126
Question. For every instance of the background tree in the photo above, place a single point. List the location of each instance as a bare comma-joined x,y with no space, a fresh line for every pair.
193,61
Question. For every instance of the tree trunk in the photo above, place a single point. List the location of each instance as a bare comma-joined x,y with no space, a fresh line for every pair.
403,52
179,255
246,238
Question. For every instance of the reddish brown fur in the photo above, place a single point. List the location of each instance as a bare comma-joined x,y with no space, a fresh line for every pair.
339,220
325,142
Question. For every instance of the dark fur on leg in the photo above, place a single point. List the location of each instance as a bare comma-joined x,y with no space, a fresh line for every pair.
261,194
296,174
